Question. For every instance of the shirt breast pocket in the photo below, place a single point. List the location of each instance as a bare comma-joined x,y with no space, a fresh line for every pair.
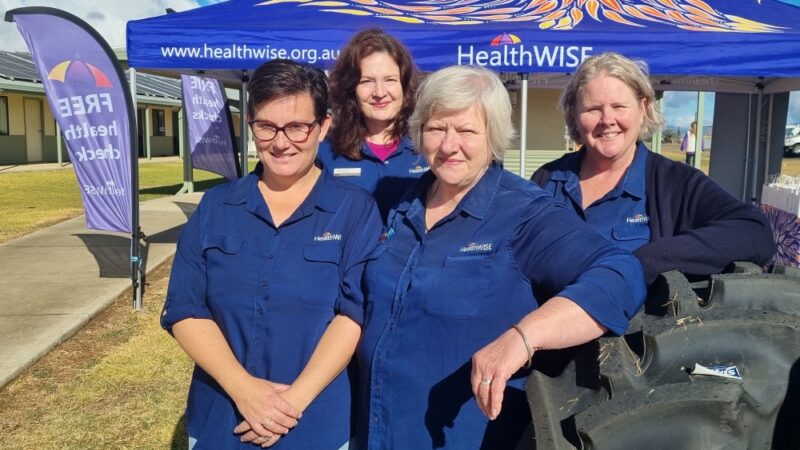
630,236
221,252
322,278
225,265
462,289
630,233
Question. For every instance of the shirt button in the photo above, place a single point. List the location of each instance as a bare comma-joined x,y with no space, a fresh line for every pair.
376,419
257,342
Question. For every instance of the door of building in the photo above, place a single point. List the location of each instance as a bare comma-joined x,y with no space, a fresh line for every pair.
33,129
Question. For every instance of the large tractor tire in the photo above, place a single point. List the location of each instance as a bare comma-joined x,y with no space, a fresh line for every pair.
637,391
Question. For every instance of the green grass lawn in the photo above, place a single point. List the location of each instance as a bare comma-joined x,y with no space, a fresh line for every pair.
33,200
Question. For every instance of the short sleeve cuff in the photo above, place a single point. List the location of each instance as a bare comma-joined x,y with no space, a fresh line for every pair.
174,312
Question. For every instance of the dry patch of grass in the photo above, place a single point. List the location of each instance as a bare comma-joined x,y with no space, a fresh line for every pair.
33,200
119,383
789,165
673,152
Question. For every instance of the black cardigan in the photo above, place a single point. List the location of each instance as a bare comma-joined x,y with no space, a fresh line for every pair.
695,225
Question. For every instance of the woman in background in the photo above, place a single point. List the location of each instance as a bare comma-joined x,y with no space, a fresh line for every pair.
372,95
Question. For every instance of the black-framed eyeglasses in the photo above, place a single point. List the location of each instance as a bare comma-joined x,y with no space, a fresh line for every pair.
297,132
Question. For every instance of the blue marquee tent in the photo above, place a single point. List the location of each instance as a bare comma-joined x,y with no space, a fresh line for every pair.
723,38
730,46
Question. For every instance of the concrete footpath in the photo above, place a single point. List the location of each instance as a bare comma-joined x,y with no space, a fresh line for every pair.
55,280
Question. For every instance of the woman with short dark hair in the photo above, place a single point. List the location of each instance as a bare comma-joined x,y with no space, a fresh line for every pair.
265,290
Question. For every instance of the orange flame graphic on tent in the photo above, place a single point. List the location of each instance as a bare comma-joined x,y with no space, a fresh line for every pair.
76,70
692,15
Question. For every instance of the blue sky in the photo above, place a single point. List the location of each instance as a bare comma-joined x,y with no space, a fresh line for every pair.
679,107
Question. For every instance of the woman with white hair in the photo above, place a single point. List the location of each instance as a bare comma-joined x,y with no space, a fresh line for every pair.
477,270
670,215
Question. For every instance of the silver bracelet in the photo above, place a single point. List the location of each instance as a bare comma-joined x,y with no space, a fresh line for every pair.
527,347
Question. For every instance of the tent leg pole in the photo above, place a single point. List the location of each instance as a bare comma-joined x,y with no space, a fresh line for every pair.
523,126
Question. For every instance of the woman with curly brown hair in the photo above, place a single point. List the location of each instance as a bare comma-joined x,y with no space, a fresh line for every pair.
372,93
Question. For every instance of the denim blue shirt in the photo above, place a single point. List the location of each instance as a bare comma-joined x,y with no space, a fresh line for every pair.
272,291
435,298
621,215
386,180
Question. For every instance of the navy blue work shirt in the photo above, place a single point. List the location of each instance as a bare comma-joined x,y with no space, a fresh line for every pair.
386,180
435,298
272,291
619,216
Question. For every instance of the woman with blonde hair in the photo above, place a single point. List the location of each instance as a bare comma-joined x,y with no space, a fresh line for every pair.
670,215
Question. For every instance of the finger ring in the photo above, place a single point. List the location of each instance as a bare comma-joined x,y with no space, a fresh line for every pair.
486,381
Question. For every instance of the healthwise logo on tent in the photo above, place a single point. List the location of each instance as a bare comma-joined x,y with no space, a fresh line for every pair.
508,51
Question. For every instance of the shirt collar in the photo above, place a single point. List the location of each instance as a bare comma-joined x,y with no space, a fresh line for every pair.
476,203
569,167
633,182
478,200
245,191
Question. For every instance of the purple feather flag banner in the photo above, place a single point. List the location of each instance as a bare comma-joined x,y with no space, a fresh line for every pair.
209,126
89,98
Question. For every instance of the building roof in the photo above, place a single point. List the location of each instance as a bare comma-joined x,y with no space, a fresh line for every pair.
17,70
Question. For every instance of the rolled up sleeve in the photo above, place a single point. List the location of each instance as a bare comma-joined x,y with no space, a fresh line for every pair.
365,230
186,293
563,256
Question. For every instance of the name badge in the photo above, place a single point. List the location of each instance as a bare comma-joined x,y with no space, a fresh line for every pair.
347,171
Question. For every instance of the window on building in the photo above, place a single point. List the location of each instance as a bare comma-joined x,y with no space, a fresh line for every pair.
4,116
159,123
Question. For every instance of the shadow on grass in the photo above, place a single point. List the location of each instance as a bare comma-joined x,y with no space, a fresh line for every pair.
180,440
186,208
112,253
172,189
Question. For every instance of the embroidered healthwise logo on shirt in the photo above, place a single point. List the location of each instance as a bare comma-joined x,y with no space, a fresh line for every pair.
418,170
328,236
475,247
387,234
637,219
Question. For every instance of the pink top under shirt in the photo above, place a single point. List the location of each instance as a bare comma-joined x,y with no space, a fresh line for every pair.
383,151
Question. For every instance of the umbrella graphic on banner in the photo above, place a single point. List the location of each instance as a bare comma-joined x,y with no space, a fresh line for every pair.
79,71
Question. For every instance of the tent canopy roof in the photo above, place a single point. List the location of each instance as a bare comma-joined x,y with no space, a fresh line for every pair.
754,41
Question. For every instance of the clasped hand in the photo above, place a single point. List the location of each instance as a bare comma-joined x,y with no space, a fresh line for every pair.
267,414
